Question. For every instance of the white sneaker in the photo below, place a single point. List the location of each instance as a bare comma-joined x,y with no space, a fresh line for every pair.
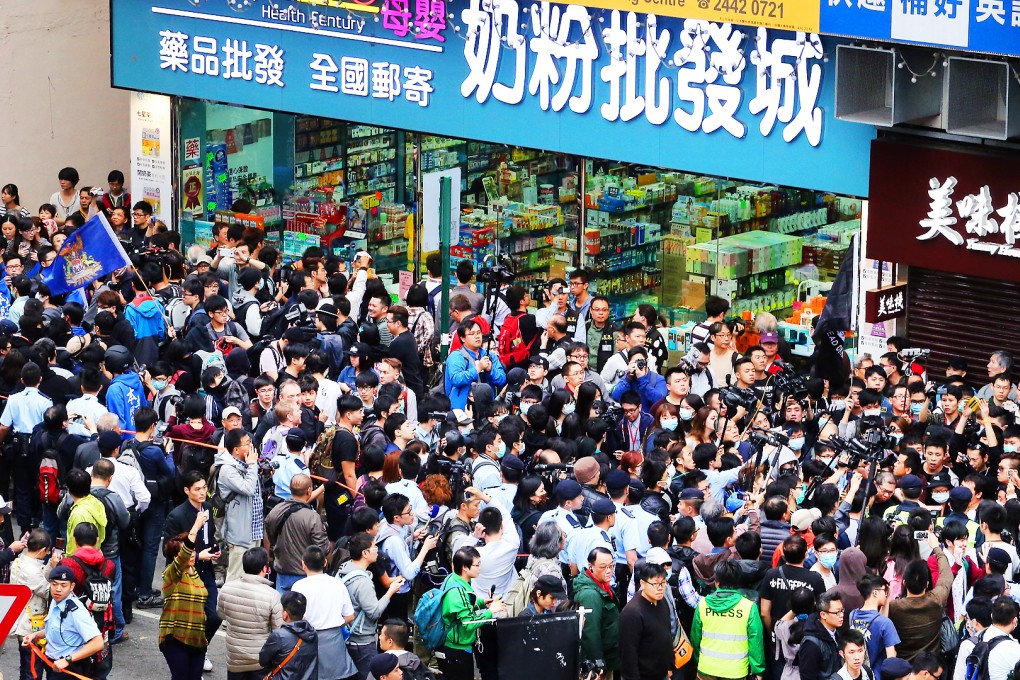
207,665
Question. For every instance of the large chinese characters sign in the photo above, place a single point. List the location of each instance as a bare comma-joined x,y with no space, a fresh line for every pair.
946,209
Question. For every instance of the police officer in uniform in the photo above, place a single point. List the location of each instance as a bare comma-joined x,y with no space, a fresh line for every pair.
24,411
568,495
582,541
911,486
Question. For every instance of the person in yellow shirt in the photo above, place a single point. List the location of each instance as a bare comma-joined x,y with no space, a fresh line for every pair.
85,508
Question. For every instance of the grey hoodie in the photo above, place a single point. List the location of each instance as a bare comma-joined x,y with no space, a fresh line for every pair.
368,607
242,481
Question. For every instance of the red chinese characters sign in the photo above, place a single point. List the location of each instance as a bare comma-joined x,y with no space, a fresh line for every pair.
945,208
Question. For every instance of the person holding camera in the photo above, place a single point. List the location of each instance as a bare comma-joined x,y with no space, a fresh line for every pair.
237,483
470,364
640,378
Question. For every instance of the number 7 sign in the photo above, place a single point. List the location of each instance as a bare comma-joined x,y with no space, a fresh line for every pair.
13,600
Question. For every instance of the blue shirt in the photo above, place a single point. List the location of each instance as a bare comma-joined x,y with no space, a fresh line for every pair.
69,625
290,465
25,410
583,541
567,521
879,632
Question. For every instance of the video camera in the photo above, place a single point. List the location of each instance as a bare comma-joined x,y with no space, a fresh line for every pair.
499,273
789,382
735,397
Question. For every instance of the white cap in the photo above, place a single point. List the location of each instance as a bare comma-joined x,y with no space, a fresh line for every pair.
658,556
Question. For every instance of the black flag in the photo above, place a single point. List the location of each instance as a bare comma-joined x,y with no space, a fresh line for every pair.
830,359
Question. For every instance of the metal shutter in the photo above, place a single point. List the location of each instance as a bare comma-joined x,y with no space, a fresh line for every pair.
962,316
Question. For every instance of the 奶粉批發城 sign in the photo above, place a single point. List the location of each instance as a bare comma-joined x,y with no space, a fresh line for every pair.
691,94
945,208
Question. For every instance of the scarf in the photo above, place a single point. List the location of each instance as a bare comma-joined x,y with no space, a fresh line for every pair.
604,586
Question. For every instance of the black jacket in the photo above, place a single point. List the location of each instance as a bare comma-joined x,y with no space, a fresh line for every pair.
818,657
304,665
590,495
404,348
646,643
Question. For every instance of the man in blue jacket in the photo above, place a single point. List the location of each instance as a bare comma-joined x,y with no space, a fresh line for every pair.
640,378
146,316
125,395
469,364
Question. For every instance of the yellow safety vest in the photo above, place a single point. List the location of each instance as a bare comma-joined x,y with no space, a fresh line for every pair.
972,529
723,651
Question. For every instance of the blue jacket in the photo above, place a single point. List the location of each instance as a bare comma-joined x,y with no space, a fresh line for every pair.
651,387
125,396
461,374
146,318
157,466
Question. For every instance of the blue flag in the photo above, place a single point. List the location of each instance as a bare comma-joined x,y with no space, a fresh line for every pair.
91,252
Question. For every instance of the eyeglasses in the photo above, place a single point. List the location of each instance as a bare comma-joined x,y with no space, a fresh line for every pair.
722,335
476,565
138,214
577,284
407,512
658,585
838,612
631,410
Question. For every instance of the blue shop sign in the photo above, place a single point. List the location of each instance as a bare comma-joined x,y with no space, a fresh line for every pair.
991,26
690,94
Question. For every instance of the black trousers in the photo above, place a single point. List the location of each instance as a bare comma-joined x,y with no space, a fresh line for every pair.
622,584
456,664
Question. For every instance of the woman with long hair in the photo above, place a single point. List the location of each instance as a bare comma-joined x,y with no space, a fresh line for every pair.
703,427
873,540
631,462
528,504
665,418
561,404
588,401
182,637
902,551
9,233
654,341
721,356
10,372
12,201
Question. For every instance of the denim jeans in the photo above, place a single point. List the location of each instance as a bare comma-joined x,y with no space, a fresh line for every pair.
151,528
118,598
285,581
51,523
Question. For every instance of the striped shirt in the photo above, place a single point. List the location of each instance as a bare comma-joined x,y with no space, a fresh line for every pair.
184,596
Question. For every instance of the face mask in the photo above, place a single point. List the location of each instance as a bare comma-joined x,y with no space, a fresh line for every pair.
158,385
897,436
669,424
915,409
800,496
940,497
873,412
670,470
525,408
827,561
797,443
1009,448
837,405
686,413
260,285
568,409
501,450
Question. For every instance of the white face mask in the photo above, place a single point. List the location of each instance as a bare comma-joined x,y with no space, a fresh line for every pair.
686,413
837,405
873,412
797,443
568,408
940,496
669,424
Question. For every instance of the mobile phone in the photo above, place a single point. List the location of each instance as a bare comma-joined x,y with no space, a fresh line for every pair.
24,537
60,543
213,548
921,535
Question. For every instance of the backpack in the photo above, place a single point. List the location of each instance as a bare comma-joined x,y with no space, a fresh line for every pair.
431,306
274,324
96,594
419,672
241,313
436,564
429,349
977,660
428,615
199,458
49,478
320,463
513,351
218,501
255,351
373,435
517,597
359,621
949,639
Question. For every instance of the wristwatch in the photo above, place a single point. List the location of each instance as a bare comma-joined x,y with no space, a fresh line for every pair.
68,659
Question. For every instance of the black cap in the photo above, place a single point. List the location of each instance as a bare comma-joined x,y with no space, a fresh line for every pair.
297,433
603,506
383,664
512,462
540,361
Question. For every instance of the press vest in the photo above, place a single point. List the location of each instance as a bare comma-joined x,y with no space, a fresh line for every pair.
723,651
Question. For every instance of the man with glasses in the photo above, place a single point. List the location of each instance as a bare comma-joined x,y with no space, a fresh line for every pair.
600,332
727,631
646,643
879,632
557,295
405,348
600,635
141,215
463,611
220,328
818,656
577,352
394,539
579,305
470,365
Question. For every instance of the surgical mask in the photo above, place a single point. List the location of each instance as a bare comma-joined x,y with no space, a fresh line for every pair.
158,385
915,408
501,450
797,443
800,496
525,408
1009,448
669,424
897,436
670,470
940,497
873,412
260,284
568,408
837,405
686,413
828,560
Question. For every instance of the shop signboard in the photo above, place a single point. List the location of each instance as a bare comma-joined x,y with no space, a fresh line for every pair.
790,15
991,26
152,153
702,96
945,208
886,303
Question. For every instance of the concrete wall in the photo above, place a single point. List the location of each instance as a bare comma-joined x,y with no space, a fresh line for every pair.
56,104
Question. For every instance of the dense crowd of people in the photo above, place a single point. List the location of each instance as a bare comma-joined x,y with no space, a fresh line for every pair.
288,445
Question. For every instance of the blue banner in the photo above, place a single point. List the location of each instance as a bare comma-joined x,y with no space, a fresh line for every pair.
705,97
91,252
991,26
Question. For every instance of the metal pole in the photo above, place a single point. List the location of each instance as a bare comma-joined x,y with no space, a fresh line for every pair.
445,195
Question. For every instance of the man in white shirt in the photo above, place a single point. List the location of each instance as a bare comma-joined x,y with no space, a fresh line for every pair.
583,541
499,552
1004,650
127,480
410,466
86,405
329,608
329,390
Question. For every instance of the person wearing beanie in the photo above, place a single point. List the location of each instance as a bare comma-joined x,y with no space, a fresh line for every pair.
386,667
588,473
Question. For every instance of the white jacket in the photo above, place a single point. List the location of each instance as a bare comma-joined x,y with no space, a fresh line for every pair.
34,573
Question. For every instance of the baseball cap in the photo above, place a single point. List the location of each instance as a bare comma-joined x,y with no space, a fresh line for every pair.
8,327
568,489
512,462
768,337
960,493
586,470
999,557
108,441
540,361
604,506
895,668
203,259
941,479
297,432
658,556
802,519
231,411
551,585
358,349
616,480
910,482
692,494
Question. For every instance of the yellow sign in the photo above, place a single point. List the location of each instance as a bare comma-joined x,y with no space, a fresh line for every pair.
786,15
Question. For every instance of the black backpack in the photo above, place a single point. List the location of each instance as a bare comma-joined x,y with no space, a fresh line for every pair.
97,595
977,660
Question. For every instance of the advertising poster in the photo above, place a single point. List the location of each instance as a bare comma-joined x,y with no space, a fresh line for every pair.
151,153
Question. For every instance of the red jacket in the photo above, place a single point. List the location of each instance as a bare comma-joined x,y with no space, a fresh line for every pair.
974,572
92,557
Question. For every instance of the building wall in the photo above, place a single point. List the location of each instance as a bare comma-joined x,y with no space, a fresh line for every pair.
57,107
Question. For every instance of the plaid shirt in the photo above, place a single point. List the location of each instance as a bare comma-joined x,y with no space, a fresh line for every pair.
423,326
258,526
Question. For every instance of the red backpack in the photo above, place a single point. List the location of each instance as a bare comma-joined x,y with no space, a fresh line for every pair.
513,351
49,479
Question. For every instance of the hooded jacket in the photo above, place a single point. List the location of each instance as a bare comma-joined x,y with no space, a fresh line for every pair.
600,637
145,315
721,602
773,532
90,557
124,396
242,481
250,606
818,657
852,566
304,665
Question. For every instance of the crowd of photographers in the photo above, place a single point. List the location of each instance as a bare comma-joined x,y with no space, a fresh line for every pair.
283,451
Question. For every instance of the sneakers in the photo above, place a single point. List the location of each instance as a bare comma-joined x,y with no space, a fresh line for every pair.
207,665
154,601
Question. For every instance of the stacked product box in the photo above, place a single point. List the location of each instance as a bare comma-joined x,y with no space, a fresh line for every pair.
743,254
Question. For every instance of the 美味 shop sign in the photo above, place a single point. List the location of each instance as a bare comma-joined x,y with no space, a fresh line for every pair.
886,303
945,208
